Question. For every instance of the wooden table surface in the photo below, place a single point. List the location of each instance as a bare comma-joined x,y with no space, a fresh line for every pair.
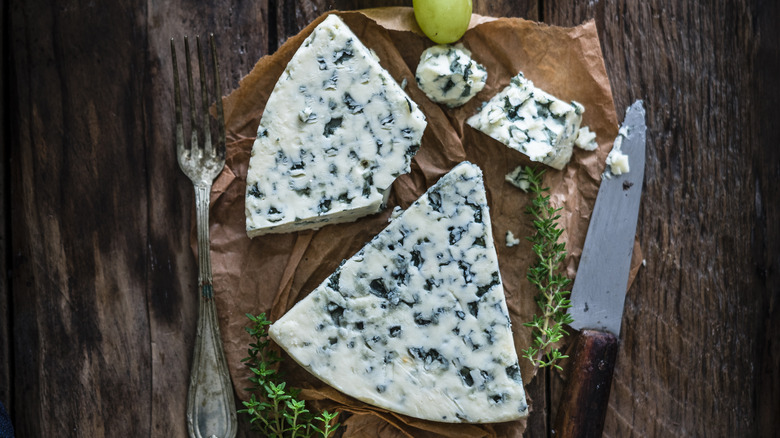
98,303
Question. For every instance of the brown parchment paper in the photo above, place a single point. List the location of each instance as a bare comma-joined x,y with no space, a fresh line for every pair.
271,273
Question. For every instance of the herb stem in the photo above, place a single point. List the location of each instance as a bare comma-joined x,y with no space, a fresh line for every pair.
277,412
545,276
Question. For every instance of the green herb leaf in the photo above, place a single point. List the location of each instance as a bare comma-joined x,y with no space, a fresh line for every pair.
274,409
545,275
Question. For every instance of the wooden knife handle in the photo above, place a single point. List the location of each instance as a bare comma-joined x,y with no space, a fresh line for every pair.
583,405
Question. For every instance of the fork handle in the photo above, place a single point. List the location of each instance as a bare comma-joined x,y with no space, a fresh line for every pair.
211,408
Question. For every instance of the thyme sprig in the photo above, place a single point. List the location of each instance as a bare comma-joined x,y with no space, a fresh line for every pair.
546,276
274,409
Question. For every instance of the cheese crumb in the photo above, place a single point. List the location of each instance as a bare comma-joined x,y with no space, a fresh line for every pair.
617,161
518,178
586,140
397,210
511,240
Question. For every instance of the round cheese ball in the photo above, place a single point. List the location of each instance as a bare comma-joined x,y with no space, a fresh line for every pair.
448,75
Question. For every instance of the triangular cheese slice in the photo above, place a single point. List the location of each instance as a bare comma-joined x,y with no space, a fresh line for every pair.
416,322
335,133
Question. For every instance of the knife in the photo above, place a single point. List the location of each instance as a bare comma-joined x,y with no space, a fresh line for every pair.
600,285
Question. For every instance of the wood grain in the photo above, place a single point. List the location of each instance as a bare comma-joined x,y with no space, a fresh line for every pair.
765,238
97,216
6,320
585,397
105,305
697,317
528,9
171,287
79,223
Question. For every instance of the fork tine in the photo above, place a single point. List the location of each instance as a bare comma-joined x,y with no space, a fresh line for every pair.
218,91
204,100
193,125
177,103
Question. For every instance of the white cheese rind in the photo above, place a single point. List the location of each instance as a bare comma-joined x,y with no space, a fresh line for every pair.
532,121
416,322
335,133
447,74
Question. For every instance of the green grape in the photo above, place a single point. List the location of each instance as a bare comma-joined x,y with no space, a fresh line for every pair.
443,21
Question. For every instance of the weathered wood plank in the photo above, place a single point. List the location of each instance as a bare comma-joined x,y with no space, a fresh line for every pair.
524,8
5,309
765,240
242,37
696,317
81,329
538,393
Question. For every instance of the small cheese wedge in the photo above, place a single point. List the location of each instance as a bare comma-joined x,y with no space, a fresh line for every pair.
532,121
335,133
416,322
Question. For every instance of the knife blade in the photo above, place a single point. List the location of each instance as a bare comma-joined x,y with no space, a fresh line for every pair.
599,290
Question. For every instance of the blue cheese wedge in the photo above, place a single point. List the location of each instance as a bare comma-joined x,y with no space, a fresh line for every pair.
336,132
532,121
448,75
416,322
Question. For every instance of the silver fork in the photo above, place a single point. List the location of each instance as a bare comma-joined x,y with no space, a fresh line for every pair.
211,411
